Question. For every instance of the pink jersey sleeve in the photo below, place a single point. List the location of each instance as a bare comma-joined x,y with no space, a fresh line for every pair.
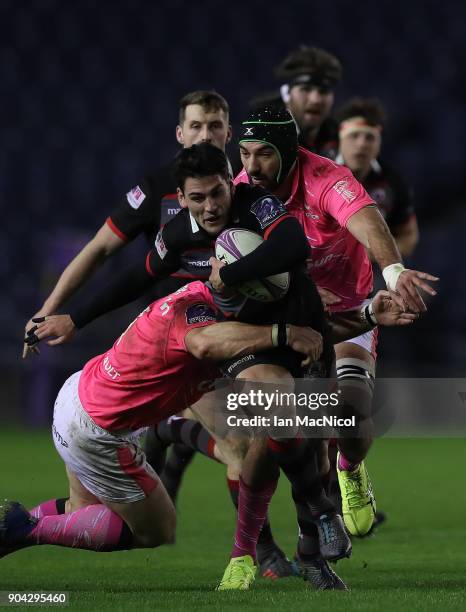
189,315
345,197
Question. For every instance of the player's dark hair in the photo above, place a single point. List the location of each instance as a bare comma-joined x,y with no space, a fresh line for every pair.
209,99
369,108
198,161
304,60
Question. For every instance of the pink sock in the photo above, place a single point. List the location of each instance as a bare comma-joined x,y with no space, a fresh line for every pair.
252,511
95,527
346,465
47,508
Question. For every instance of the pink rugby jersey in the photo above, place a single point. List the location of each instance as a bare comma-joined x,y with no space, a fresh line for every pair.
324,195
148,374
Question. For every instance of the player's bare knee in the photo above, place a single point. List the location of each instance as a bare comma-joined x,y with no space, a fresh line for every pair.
163,533
233,450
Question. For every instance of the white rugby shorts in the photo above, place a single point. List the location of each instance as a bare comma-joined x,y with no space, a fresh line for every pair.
111,466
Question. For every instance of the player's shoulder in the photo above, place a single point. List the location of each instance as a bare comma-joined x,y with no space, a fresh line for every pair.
144,196
256,200
177,230
160,180
321,170
248,196
195,303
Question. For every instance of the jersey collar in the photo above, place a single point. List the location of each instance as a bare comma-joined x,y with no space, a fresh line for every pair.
194,226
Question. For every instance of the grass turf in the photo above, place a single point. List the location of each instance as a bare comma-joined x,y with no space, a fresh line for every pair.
417,560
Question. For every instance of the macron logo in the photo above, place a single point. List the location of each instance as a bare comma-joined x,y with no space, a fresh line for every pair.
342,188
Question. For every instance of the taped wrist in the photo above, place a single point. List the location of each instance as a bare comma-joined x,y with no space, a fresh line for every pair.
391,274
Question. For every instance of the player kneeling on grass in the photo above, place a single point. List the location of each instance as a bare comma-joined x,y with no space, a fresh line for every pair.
165,359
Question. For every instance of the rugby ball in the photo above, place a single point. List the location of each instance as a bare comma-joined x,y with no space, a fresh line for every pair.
234,243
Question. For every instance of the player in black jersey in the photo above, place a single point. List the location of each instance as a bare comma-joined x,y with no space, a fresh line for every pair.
307,78
210,203
203,117
206,195
361,122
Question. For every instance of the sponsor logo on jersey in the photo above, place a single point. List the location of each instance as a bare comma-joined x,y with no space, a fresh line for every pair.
169,207
267,210
160,245
343,189
319,263
135,197
237,363
200,313
195,263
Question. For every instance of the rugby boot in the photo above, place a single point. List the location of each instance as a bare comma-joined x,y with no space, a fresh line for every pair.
239,574
334,542
274,564
319,574
358,503
15,524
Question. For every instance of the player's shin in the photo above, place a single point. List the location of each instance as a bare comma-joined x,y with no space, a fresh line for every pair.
358,503
94,527
257,485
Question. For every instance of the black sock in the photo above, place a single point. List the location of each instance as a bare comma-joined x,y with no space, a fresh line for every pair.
60,504
298,460
155,450
188,432
332,486
308,537
126,538
179,458
265,542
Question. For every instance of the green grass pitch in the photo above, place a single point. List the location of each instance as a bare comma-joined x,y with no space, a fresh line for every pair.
417,560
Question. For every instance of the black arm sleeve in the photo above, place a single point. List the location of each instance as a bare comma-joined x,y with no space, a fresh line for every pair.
126,288
285,247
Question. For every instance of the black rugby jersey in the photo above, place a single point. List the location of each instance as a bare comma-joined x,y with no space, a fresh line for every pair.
146,207
389,191
183,248
182,243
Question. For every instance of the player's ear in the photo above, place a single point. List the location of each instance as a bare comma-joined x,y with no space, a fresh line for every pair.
232,187
229,133
179,134
181,198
